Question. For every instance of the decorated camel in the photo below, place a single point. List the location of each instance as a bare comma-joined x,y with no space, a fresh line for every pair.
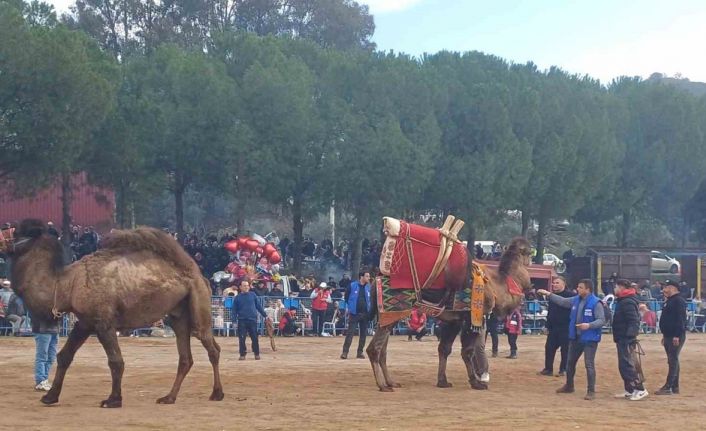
431,269
136,278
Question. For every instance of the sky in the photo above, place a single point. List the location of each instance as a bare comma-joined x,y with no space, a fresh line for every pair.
601,38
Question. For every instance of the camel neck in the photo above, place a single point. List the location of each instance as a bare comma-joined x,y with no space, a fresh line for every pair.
35,279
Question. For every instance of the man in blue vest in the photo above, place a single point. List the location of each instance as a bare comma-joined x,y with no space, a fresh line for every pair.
586,320
357,299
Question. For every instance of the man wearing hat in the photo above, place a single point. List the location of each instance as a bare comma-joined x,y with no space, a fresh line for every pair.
321,299
672,324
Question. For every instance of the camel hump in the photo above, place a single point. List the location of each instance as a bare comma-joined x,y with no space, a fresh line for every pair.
149,239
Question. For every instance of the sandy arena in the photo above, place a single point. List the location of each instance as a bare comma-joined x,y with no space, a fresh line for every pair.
304,385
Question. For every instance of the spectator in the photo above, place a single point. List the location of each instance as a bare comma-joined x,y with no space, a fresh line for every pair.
513,328
51,230
417,324
345,282
277,290
672,324
307,289
246,306
357,299
626,327
586,320
260,289
656,290
648,317
491,327
321,299
331,284
479,251
558,330
288,323
609,284
684,290
46,335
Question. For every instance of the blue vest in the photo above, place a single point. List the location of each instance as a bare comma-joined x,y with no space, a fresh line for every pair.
587,317
353,297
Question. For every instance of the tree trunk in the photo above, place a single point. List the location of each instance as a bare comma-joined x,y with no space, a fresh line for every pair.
471,238
298,228
120,205
179,211
625,231
66,199
525,223
357,243
541,232
685,231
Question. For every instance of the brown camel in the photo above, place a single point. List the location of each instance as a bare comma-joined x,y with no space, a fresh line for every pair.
513,263
137,278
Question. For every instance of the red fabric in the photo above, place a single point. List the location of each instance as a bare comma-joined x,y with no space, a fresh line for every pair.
319,303
283,319
515,316
627,292
650,319
425,248
513,287
417,320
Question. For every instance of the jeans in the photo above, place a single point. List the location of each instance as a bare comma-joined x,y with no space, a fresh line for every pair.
245,328
512,339
626,366
673,361
418,335
556,341
318,318
45,355
576,349
360,321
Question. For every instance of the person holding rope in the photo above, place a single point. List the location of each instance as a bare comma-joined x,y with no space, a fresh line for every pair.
626,326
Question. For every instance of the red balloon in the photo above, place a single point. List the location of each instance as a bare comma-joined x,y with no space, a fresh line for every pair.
275,258
241,241
269,248
251,244
259,251
231,246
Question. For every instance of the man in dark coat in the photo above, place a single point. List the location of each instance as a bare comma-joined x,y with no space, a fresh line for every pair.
672,324
626,326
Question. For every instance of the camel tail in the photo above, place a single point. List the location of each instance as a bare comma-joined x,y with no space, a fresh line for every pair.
150,239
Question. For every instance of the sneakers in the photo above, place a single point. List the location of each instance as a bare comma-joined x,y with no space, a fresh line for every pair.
590,396
485,377
565,390
544,373
638,395
623,395
325,334
43,386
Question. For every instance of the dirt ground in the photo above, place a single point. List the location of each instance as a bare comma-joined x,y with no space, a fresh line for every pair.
304,385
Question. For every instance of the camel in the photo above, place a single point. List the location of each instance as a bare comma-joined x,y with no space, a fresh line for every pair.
136,278
513,263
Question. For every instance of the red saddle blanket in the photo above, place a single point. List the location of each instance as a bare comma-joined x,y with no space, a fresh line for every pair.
425,242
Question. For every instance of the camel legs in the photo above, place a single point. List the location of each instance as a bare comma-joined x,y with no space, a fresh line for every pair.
77,337
200,307
182,330
109,340
375,350
447,336
468,347
383,362
214,354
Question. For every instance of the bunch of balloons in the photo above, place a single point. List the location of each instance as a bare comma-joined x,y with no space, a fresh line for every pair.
255,245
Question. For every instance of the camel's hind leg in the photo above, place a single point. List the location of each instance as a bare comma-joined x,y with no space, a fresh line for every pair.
375,350
182,329
77,337
109,340
468,346
200,307
447,336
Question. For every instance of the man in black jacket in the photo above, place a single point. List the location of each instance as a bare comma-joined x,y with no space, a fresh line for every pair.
626,326
558,326
672,324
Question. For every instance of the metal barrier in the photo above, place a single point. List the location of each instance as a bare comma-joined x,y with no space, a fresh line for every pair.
534,315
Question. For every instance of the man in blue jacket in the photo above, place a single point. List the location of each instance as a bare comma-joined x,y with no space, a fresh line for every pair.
245,309
586,320
357,298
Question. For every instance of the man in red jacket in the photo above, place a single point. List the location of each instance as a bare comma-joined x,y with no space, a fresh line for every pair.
321,299
417,324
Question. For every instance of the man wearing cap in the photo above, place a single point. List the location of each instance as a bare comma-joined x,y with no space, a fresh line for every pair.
626,326
321,299
672,324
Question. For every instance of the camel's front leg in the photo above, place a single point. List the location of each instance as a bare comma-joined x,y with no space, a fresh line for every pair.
447,336
77,337
377,345
383,362
469,346
109,340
